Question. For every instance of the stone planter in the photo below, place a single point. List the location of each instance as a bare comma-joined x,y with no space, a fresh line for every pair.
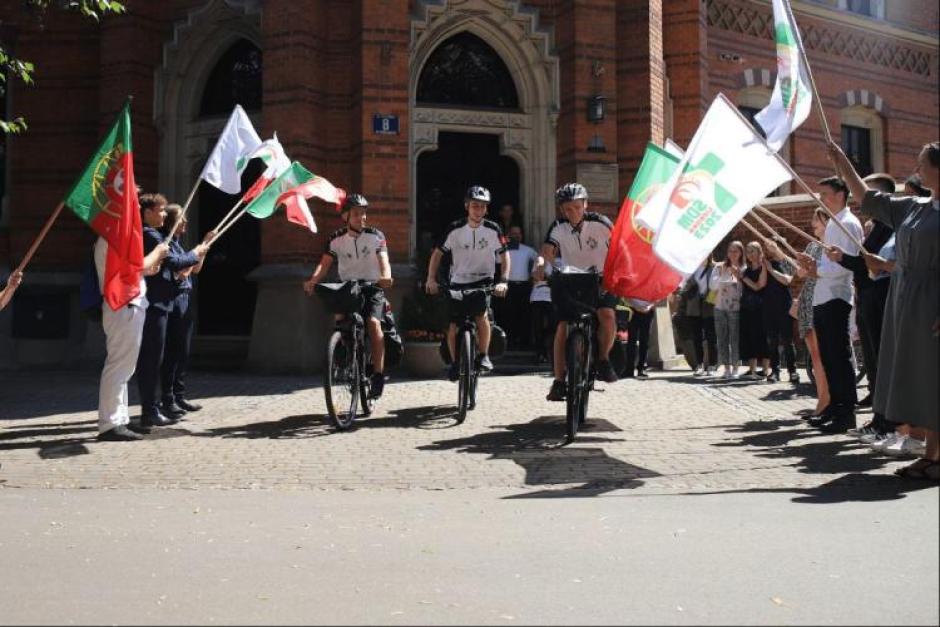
423,360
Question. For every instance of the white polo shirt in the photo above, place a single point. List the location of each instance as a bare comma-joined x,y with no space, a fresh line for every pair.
583,247
357,255
473,250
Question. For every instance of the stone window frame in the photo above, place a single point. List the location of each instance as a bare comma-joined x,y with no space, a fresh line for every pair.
869,118
878,7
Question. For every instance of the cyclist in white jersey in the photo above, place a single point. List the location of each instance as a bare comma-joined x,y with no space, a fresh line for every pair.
360,253
582,238
474,244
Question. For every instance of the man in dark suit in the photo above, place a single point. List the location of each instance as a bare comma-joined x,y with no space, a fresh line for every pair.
161,292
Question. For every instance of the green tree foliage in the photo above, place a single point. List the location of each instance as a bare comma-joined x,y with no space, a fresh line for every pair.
14,68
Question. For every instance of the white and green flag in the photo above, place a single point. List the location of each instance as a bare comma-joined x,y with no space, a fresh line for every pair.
726,170
792,97
264,205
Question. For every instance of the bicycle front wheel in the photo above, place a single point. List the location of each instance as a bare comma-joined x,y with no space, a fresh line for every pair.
575,354
465,380
342,381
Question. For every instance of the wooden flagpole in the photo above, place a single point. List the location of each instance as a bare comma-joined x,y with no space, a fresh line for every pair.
797,229
41,236
774,235
179,220
793,174
230,223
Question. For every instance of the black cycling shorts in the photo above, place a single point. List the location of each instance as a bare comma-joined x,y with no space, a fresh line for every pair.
373,302
472,304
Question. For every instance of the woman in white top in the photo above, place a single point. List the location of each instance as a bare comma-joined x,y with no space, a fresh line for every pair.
726,277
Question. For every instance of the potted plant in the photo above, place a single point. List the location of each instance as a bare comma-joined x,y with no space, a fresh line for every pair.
422,322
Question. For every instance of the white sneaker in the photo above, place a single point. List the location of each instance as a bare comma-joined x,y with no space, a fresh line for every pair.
726,373
734,372
880,443
871,438
711,371
906,446
698,372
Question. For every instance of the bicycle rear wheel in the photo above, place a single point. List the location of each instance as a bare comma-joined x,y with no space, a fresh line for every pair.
465,380
575,354
342,381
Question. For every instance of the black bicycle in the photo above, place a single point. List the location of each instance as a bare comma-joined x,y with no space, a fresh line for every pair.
466,347
575,295
347,385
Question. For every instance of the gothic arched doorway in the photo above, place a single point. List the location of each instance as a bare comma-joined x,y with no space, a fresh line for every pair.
225,299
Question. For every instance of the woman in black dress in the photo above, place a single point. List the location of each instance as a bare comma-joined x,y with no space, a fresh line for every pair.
753,335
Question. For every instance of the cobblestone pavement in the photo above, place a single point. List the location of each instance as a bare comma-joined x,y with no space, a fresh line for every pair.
672,433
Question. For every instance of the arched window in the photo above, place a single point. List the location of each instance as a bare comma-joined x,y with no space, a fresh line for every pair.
465,71
235,79
863,138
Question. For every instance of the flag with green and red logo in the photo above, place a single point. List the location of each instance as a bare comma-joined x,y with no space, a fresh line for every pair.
632,270
105,198
792,96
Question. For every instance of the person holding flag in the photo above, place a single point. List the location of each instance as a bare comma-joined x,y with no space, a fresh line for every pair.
361,254
161,287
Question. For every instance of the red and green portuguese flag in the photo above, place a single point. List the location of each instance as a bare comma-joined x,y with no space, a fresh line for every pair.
105,197
632,269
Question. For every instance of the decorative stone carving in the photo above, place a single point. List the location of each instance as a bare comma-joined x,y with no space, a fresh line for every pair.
757,21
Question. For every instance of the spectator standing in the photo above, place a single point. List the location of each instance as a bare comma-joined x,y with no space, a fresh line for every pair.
543,317
776,309
700,318
638,339
513,313
726,278
804,314
753,335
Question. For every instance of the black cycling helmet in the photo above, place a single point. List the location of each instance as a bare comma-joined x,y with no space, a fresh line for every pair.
570,191
476,192
354,200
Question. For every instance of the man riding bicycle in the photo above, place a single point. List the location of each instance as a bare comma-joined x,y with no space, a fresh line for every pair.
361,254
581,238
474,244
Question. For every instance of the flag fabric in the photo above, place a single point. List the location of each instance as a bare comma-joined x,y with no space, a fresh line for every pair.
726,170
105,197
295,200
632,270
265,204
792,98
272,154
231,153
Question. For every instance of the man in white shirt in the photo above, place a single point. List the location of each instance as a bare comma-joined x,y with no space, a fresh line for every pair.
123,332
513,313
832,305
474,244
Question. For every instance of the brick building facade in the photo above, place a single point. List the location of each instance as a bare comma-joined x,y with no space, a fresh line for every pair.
591,82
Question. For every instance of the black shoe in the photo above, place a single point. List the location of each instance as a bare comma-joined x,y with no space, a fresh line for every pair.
795,377
483,363
558,391
641,374
376,384
605,372
156,420
182,403
119,434
453,372
773,377
172,410
140,429
865,402
839,424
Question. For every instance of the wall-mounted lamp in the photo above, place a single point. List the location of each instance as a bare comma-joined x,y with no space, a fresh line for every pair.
596,109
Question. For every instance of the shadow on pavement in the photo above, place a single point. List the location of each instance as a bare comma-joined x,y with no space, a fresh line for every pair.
537,447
